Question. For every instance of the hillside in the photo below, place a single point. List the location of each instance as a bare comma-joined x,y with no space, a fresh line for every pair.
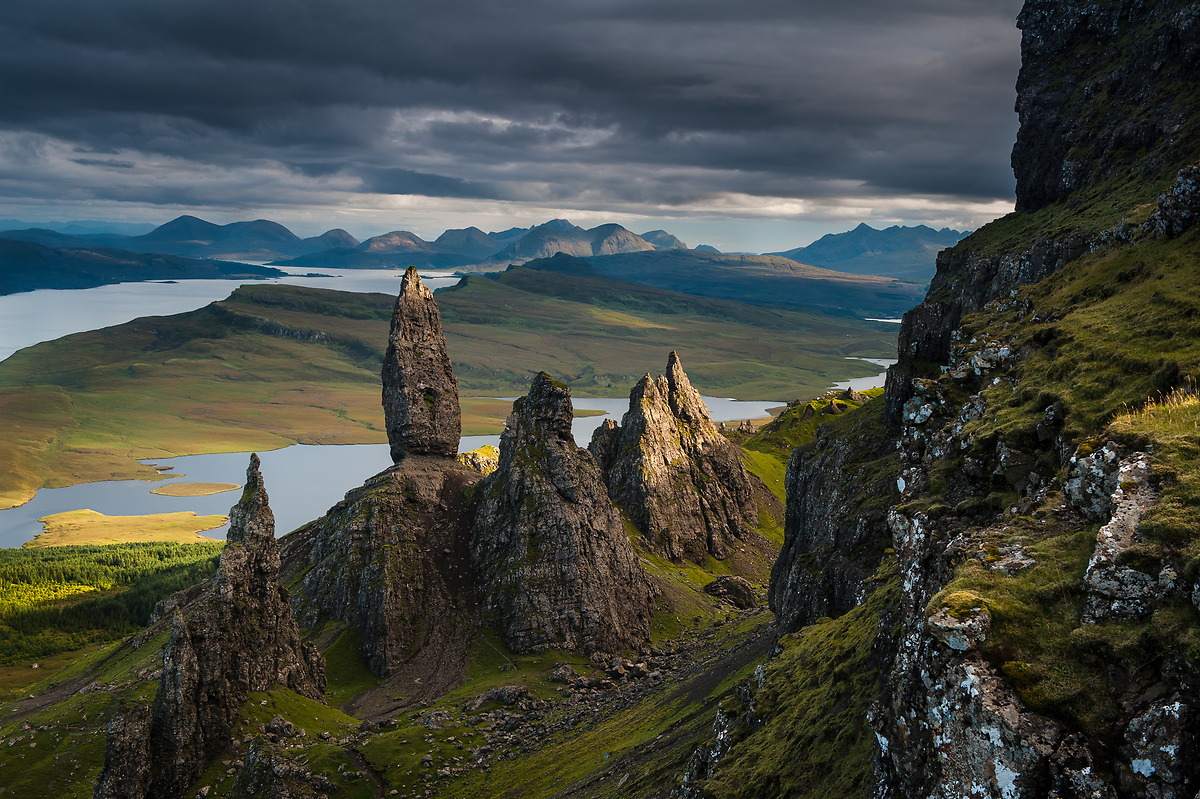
905,253
28,266
762,280
986,583
998,557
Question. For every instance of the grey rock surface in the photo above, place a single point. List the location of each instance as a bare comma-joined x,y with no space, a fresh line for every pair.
667,466
420,391
237,636
554,562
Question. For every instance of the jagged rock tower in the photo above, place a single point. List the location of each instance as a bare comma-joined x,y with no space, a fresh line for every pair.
420,392
390,561
552,556
236,637
666,465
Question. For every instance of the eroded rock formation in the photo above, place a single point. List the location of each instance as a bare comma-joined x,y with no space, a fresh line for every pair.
391,561
666,465
553,559
236,637
420,391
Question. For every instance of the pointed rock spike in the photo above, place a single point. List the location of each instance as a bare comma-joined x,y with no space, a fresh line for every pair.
251,518
420,391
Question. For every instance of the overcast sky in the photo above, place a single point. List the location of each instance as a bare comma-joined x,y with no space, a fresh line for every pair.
750,125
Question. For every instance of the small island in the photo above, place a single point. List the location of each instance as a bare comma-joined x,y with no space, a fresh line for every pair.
86,526
193,489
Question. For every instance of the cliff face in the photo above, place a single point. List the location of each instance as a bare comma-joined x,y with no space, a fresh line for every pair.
236,637
1106,98
1037,542
835,529
391,561
1103,93
681,482
554,562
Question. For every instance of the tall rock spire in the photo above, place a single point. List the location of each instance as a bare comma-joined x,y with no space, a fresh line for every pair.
666,465
420,392
554,562
236,637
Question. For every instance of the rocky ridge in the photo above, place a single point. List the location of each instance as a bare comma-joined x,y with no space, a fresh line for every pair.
680,481
553,559
1029,651
237,636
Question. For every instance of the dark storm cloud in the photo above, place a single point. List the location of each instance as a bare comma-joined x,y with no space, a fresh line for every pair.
655,101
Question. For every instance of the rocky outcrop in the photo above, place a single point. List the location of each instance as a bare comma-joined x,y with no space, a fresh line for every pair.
236,637
554,562
420,391
1080,62
1105,90
679,480
391,561
1114,589
737,591
269,773
835,528
484,460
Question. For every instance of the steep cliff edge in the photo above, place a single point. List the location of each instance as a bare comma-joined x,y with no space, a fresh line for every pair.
680,481
554,562
1106,97
237,636
1041,628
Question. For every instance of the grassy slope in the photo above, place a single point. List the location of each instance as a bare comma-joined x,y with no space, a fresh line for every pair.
1115,343
274,365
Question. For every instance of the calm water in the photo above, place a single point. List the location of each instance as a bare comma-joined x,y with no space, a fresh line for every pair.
303,481
47,314
863,383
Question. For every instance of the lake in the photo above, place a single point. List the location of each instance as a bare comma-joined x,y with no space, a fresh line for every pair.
44,315
302,480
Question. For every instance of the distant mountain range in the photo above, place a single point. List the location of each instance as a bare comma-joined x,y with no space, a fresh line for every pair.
907,253
472,250
26,265
655,258
190,237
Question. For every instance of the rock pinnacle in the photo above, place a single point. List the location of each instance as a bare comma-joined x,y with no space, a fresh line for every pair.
420,392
